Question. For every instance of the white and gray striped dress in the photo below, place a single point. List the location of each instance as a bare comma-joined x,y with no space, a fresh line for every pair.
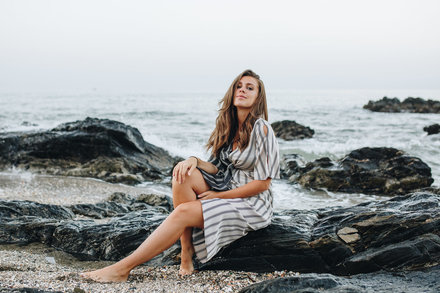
226,220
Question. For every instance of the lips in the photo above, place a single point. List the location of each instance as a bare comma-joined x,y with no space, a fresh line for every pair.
241,97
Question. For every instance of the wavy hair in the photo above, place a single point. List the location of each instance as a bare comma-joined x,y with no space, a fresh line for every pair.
227,122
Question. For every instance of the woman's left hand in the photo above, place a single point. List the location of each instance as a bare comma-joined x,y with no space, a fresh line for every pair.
208,195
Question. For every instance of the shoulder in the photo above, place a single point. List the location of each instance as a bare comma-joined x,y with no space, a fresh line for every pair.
262,127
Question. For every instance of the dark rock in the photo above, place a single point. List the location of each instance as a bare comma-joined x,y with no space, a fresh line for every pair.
54,225
18,208
386,171
382,282
120,203
290,130
396,235
290,164
109,241
432,129
400,234
99,148
412,105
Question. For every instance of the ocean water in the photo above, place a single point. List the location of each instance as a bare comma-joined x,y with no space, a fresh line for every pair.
182,122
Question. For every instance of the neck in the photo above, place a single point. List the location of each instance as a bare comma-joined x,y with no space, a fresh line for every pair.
242,115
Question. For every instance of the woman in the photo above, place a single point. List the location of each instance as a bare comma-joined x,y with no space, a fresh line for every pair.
224,198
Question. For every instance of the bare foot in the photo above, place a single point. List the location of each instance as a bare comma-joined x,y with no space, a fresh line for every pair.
186,263
104,275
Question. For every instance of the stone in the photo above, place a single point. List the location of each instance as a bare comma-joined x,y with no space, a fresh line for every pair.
348,234
99,148
411,105
381,282
382,171
432,129
290,164
290,130
399,234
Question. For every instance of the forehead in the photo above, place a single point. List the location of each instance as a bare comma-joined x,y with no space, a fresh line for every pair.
248,80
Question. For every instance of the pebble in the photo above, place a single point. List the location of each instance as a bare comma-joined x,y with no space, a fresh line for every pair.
29,268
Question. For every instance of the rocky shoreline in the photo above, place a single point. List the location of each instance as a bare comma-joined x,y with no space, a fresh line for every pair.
399,235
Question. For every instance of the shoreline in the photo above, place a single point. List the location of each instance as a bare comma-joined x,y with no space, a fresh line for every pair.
44,268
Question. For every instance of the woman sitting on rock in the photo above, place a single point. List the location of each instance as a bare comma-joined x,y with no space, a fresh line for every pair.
221,200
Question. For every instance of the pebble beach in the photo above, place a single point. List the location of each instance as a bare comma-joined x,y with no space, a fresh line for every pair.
40,267
44,268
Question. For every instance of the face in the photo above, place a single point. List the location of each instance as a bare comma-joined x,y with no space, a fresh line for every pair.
246,92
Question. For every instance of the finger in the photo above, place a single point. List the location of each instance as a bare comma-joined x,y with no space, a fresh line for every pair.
191,169
176,169
179,174
182,173
203,194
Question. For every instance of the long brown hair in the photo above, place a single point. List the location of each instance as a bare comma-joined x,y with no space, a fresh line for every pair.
227,121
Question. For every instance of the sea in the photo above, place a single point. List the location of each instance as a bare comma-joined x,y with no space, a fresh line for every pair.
181,122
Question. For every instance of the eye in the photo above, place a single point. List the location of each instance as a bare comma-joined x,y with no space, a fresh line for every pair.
250,88
238,86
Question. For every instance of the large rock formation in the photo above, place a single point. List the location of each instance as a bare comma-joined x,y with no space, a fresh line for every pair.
412,105
386,171
99,148
399,234
432,129
290,130
402,233
383,282
128,222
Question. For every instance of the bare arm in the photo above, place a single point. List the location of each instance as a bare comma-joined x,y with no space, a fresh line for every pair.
206,166
250,189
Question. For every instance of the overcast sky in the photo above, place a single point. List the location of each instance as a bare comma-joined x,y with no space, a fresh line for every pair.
202,45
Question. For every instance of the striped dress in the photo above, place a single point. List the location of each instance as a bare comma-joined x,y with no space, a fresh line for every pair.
226,220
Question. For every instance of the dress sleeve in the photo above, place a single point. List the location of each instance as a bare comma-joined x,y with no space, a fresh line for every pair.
267,164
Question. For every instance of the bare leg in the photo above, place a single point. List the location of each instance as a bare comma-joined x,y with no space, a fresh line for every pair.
185,215
185,192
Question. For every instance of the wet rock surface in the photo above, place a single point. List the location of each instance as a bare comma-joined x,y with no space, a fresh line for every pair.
291,164
128,225
412,105
432,129
400,234
383,282
384,171
99,148
290,130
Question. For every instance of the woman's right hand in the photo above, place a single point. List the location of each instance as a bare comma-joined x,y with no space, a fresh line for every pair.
183,167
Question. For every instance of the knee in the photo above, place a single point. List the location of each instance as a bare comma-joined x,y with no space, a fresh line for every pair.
186,183
182,211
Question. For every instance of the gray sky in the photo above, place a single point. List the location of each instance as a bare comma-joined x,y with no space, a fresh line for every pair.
202,45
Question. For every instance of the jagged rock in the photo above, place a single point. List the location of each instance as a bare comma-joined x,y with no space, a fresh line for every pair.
348,234
120,203
383,282
55,226
412,105
99,148
290,164
386,171
290,130
399,234
432,129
